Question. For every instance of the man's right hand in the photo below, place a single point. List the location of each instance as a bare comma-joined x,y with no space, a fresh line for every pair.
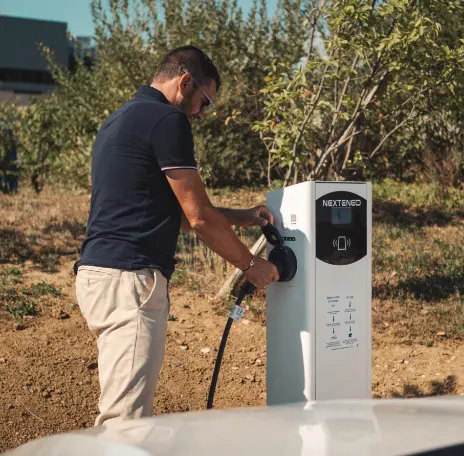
262,273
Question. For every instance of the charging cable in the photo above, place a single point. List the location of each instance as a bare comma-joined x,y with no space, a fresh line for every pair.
285,261
235,315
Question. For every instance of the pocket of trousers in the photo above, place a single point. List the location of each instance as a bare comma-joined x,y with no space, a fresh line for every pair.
92,290
151,289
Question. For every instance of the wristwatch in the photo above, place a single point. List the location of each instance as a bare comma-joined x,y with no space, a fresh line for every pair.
252,263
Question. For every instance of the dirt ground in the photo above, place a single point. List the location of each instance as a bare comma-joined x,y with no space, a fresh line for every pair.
49,372
49,375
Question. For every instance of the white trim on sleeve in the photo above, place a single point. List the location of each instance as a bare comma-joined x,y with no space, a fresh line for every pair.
168,168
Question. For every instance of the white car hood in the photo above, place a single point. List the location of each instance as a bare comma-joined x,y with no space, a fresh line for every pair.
377,427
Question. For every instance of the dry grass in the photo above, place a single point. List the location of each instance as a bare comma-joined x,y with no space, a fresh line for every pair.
41,229
418,281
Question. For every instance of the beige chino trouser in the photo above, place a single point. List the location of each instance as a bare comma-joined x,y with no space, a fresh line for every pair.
128,312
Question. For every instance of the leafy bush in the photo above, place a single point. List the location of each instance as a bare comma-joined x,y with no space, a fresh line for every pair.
57,133
383,67
338,89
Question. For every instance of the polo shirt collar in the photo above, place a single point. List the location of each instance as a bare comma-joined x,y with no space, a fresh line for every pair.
149,91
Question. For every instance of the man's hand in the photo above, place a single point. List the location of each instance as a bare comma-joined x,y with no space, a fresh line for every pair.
262,273
255,216
258,216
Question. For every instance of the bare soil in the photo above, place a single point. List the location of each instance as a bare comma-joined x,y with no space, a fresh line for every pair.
49,372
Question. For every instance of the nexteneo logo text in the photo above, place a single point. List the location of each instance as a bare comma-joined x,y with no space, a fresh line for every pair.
341,203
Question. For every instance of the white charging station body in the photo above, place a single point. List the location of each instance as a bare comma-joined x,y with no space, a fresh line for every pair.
318,325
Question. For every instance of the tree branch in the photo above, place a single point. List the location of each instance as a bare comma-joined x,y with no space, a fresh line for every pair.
363,100
340,101
402,105
348,153
346,137
305,122
391,132
315,17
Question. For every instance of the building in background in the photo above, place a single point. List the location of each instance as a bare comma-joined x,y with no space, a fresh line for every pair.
23,69
84,47
24,73
81,48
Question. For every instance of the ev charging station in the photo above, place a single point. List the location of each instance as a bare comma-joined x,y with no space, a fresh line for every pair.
318,325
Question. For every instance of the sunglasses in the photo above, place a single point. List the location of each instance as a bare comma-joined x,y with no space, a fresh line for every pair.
205,104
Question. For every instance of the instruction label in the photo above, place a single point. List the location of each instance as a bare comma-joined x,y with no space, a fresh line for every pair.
340,324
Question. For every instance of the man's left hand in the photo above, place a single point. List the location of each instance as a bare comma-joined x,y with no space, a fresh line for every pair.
256,216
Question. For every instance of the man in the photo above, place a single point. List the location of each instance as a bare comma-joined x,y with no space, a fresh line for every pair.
145,186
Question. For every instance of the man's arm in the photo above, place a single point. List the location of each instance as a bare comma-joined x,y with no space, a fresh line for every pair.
214,229
256,216
184,223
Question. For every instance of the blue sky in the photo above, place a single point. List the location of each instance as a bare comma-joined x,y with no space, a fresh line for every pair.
75,12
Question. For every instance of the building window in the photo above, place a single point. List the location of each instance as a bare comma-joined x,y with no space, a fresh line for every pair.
26,76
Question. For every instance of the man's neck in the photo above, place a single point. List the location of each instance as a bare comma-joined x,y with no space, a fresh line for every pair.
167,89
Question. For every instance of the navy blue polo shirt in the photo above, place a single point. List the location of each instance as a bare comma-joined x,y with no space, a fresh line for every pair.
134,219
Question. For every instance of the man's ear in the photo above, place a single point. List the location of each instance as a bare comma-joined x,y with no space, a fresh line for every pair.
184,82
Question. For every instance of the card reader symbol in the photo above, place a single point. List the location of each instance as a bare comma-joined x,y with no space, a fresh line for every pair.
342,243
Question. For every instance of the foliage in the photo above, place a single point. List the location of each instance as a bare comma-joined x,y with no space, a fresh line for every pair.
131,37
10,276
15,303
21,303
441,153
41,289
383,66
418,276
8,117
339,89
418,194
21,309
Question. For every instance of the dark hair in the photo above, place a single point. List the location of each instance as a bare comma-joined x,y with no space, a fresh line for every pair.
193,60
